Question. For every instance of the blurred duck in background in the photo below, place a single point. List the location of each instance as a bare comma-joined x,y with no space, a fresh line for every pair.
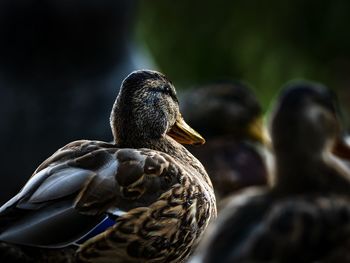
305,215
230,117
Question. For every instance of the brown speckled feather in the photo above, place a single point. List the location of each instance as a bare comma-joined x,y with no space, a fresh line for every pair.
165,231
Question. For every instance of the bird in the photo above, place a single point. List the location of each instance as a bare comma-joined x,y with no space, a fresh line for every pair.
303,214
141,198
229,116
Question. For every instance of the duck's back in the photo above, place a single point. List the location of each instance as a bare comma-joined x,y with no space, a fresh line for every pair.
146,206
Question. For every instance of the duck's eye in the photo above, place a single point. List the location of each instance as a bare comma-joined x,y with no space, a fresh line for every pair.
165,89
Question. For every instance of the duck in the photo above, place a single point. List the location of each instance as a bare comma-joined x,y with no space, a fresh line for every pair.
303,214
230,117
141,198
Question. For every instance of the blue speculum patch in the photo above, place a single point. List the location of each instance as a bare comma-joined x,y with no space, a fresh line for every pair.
106,223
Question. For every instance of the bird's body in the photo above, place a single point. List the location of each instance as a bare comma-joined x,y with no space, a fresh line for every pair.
156,194
305,215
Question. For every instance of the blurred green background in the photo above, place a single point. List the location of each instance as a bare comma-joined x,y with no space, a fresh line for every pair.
62,62
265,43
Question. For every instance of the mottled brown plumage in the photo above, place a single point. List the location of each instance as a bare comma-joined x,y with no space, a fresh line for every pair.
158,194
305,216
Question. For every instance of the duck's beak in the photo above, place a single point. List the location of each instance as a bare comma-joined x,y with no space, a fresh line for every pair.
184,134
341,148
258,132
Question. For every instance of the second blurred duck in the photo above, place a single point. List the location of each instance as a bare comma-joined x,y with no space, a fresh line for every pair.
230,117
305,216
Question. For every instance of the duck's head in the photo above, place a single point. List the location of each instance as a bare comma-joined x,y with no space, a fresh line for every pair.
226,109
305,120
147,108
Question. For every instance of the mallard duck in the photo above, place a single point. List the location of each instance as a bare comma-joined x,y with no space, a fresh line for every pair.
305,215
142,198
230,117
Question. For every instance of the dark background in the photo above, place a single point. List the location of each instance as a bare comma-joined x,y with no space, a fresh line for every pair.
61,61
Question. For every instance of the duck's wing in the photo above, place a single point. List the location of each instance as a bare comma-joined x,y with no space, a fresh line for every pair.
73,150
76,188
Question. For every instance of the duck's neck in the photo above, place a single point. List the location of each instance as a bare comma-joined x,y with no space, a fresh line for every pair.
164,144
304,174
293,171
